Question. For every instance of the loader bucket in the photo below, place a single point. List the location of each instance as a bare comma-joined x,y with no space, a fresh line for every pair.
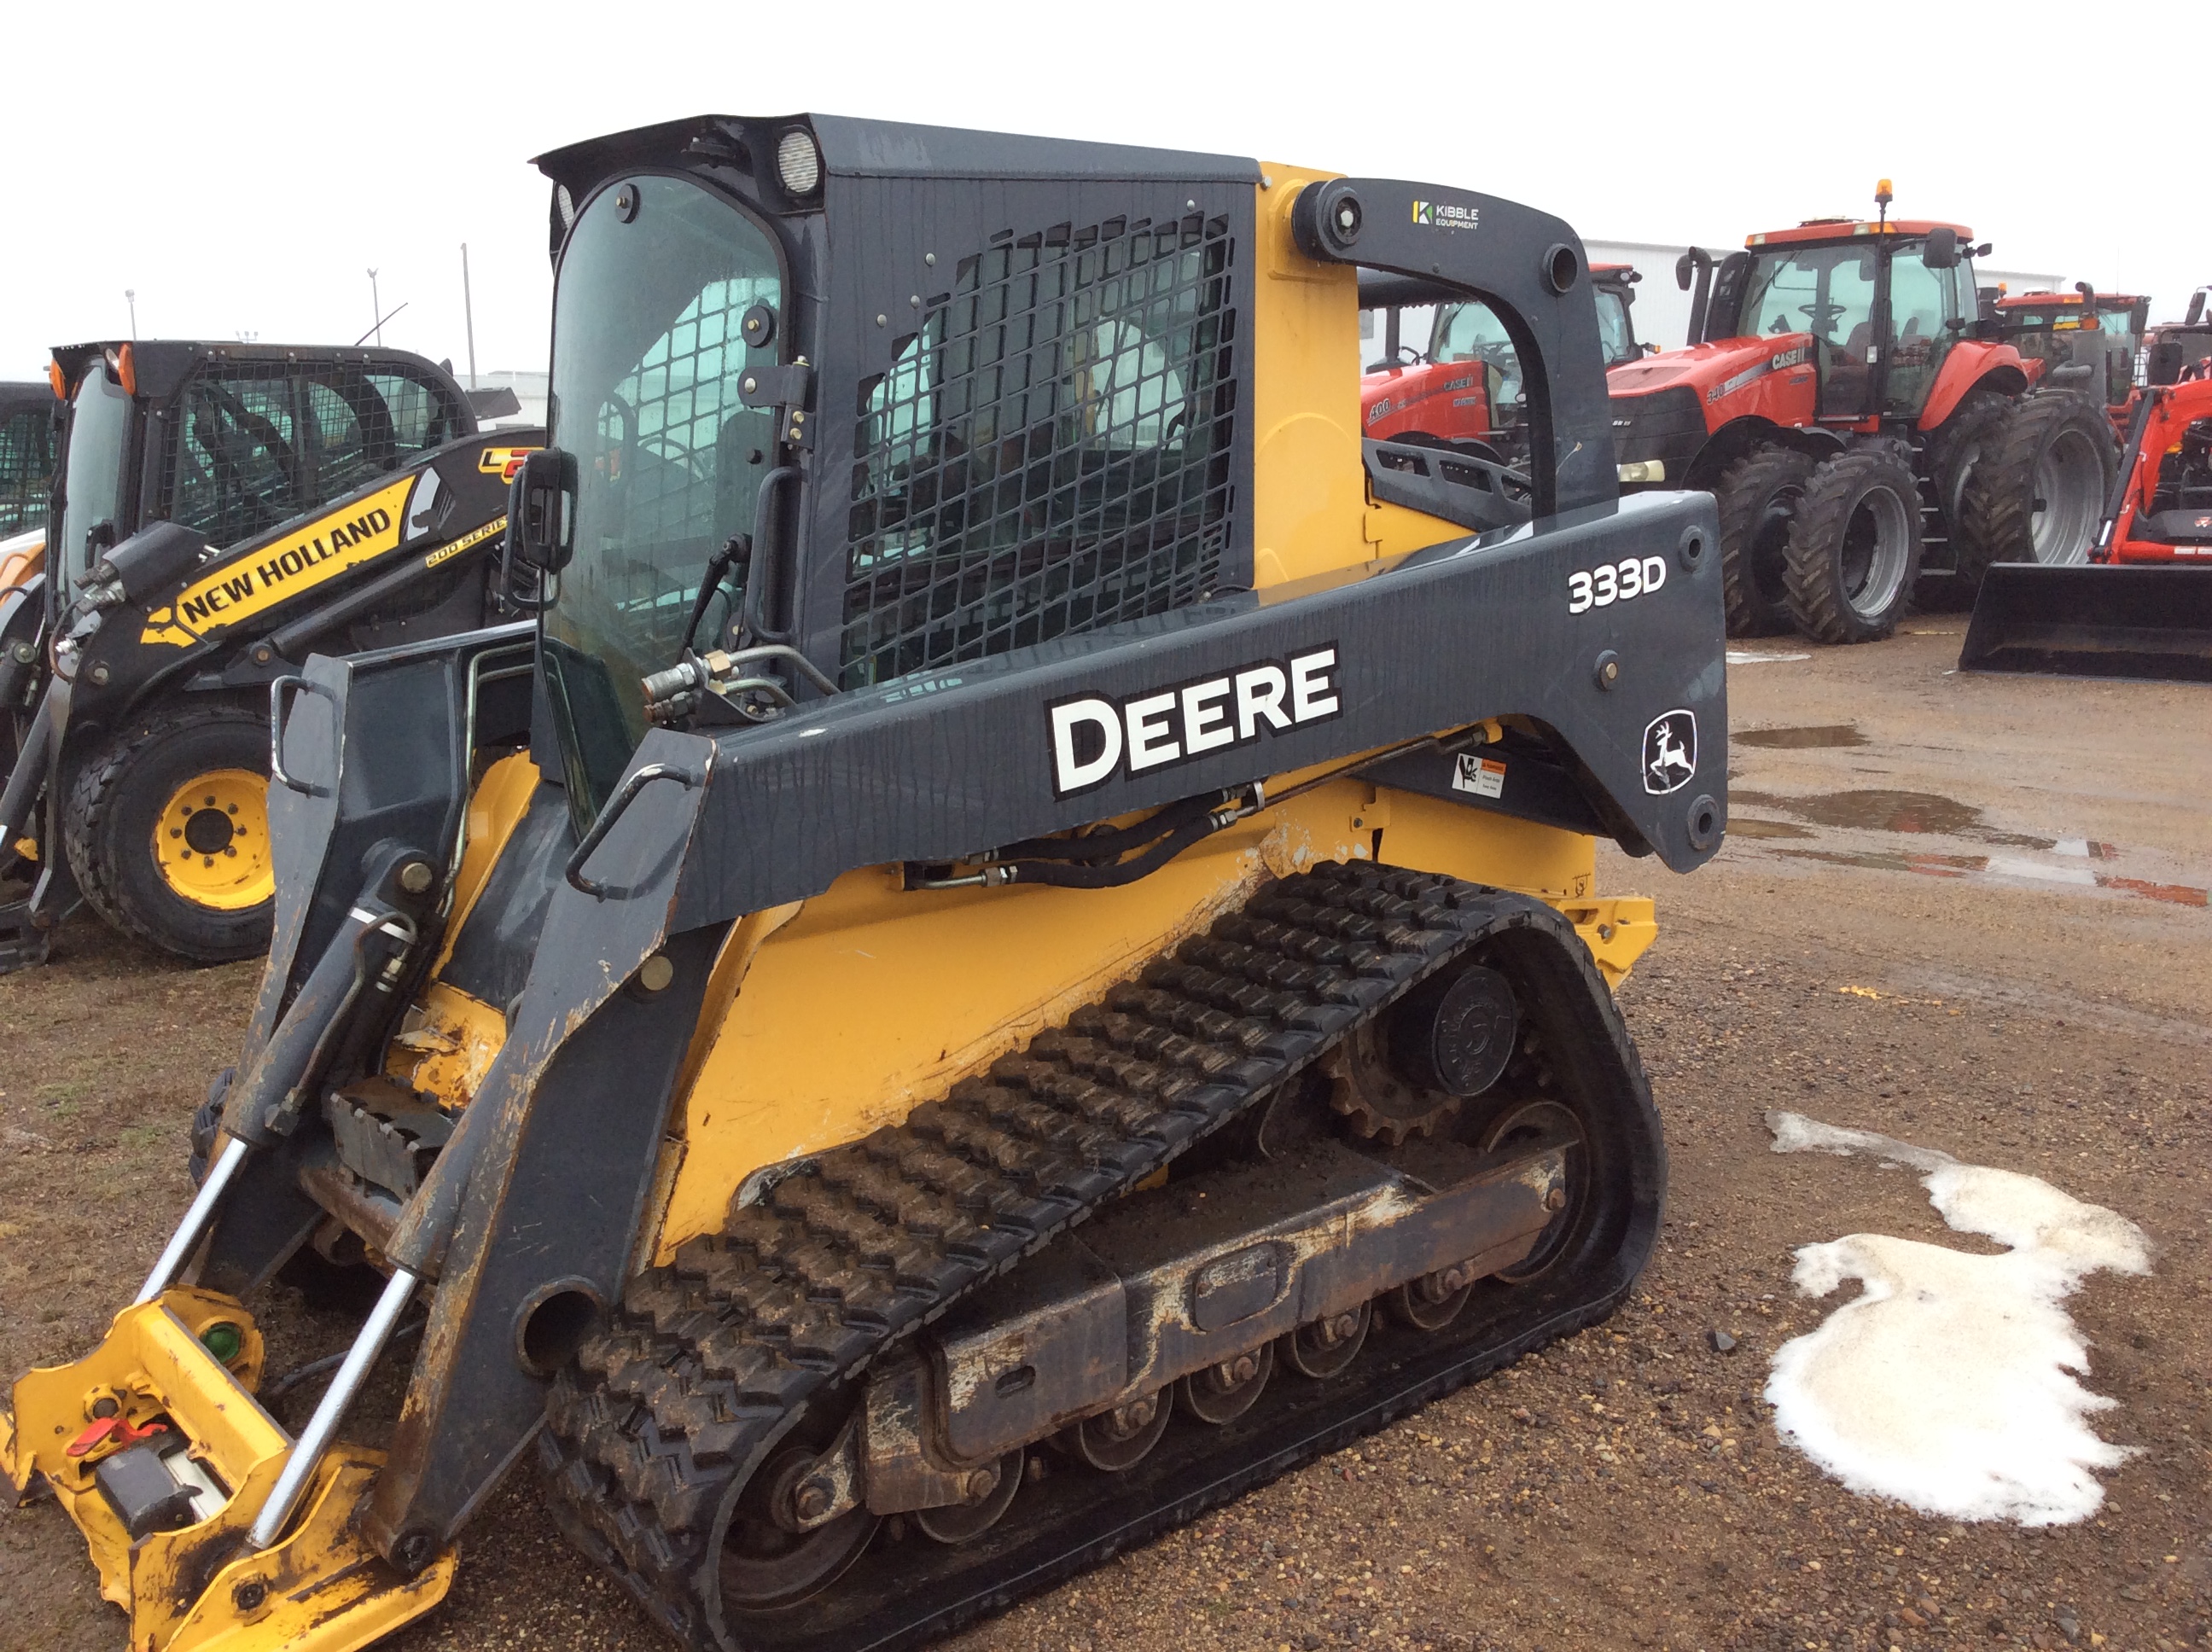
2153,623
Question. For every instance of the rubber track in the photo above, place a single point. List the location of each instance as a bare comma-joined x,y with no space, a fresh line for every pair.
706,1363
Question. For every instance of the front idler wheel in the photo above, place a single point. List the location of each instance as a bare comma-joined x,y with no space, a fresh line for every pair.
1325,1347
1538,1125
990,1492
766,1562
1222,1394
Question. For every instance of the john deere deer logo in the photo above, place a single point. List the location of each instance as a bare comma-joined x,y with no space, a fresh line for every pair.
1670,752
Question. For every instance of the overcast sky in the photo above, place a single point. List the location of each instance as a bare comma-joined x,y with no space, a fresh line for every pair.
241,167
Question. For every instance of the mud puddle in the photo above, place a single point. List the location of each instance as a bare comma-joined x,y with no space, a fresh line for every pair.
1999,865
2072,860
1750,828
1882,811
1799,739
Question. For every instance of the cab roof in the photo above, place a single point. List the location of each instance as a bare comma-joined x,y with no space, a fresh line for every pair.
162,364
1814,231
2045,300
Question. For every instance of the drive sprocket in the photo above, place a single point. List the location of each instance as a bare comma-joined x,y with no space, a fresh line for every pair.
1373,1099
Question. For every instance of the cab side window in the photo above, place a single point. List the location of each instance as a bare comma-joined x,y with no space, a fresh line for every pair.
26,469
365,424
238,467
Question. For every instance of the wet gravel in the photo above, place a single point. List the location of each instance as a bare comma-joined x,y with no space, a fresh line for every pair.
1624,1489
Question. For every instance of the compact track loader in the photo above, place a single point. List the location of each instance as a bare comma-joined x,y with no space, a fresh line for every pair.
1015,953
220,510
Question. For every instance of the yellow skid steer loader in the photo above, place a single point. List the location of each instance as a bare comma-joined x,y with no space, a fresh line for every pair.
219,510
1014,952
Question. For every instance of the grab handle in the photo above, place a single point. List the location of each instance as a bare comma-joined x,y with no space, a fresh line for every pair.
617,807
276,772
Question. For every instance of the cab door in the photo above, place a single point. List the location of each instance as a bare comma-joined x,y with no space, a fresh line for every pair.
1928,312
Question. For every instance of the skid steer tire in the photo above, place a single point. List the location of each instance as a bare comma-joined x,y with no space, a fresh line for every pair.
1760,496
2039,494
197,776
1855,548
206,1123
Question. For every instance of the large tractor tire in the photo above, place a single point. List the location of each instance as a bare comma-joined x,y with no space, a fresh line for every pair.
1854,549
1758,497
207,1121
167,830
2039,494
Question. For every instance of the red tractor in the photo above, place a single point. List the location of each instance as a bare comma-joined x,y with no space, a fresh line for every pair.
1850,409
2087,340
1466,386
2142,607
2191,336
2165,502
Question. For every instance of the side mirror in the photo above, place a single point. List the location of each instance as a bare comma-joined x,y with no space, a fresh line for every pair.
541,511
2165,364
1942,252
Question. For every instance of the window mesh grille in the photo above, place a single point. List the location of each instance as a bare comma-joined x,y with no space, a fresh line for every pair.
257,445
26,469
1051,453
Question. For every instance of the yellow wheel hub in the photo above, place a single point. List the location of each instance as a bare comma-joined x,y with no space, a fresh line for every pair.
212,841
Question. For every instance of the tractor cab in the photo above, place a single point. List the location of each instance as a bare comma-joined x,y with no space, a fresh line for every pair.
1466,386
1872,307
2084,339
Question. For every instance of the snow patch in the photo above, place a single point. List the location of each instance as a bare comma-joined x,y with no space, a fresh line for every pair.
1949,1382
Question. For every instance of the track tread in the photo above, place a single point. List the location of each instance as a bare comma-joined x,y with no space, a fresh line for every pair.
697,1372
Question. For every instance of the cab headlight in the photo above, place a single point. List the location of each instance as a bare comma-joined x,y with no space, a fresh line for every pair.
798,162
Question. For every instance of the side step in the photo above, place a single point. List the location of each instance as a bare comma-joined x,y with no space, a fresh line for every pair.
2152,623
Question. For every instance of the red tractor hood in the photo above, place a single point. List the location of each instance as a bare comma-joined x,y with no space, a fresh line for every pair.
1716,371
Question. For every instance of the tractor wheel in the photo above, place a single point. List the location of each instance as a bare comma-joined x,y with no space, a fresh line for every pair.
1956,449
2039,494
1855,548
1758,497
207,1122
167,831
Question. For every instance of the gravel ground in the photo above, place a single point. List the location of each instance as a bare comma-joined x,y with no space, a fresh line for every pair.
1906,933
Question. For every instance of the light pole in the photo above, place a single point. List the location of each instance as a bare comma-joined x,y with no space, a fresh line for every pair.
375,310
469,314
131,297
